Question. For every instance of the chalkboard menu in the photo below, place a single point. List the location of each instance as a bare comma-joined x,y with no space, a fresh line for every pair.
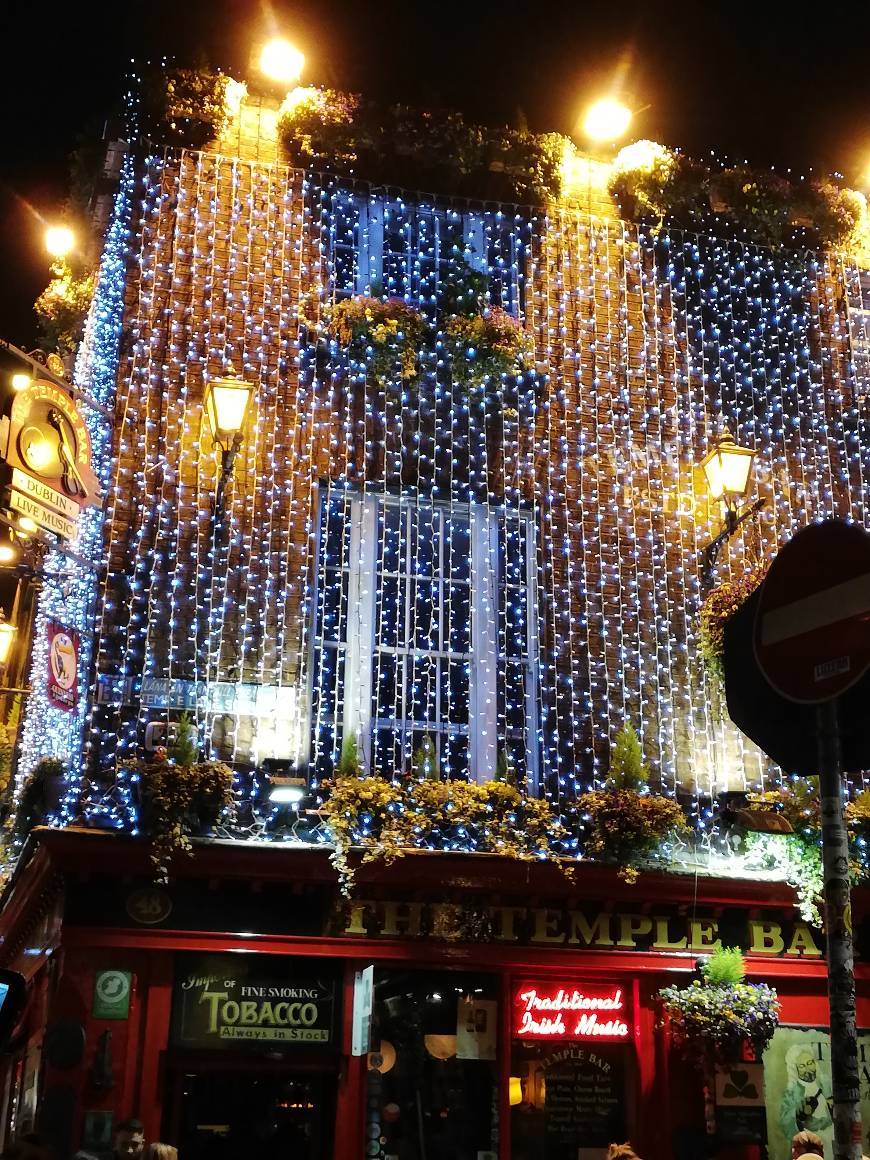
573,1097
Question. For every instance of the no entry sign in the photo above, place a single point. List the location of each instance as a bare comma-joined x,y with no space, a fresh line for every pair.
812,628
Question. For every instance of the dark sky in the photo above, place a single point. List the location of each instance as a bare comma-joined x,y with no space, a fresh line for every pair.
754,80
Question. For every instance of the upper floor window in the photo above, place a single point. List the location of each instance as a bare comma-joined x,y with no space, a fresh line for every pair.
424,636
405,249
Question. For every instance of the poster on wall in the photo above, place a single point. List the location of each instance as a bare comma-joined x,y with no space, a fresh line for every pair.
232,1001
63,666
797,1085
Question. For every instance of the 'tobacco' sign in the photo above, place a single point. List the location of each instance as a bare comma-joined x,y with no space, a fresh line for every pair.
570,1011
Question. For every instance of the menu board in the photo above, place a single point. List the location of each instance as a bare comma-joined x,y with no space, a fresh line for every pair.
573,1097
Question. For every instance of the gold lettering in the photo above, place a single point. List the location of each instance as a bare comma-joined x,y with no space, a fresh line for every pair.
213,998
597,933
402,918
356,919
662,940
507,916
803,943
704,935
546,924
633,927
766,937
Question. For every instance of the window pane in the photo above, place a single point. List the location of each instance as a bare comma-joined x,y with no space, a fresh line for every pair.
515,695
457,617
390,617
388,753
333,609
422,689
454,763
425,614
454,691
388,677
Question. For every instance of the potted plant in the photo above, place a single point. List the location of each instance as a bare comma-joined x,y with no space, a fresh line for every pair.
384,333
719,1017
623,822
181,796
720,604
41,794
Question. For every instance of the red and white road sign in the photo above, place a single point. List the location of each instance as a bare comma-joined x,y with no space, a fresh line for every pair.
812,630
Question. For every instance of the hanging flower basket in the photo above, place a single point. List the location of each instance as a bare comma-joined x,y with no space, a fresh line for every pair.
385,333
717,1017
626,826
485,346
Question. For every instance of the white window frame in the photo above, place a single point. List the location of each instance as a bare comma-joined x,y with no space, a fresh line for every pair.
359,645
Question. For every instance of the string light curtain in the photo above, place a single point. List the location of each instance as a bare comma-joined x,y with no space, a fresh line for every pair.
580,476
69,590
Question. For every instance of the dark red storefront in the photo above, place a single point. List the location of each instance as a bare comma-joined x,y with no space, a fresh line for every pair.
222,1010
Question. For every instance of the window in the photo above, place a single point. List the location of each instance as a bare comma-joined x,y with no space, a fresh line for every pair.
433,1084
424,636
406,249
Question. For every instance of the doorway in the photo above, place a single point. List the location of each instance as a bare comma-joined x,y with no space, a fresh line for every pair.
236,1114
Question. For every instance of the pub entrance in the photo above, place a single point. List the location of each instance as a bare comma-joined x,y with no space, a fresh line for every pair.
234,1113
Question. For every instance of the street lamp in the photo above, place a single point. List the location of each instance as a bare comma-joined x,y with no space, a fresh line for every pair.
281,62
607,120
728,471
59,241
7,638
226,405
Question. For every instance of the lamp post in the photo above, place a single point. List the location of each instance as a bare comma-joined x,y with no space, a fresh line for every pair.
8,633
728,470
226,406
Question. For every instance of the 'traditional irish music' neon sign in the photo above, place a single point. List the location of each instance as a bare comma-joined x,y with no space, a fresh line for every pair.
551,1011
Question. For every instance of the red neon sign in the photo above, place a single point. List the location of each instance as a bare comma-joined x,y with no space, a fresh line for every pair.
560,1011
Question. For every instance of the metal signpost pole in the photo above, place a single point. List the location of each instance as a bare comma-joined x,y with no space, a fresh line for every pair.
838,926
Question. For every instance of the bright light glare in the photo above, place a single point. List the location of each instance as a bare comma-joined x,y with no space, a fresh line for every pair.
59,241
21,381
27,524
7,553
606,120
281,61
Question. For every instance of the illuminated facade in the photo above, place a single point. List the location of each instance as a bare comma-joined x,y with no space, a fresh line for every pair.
497,571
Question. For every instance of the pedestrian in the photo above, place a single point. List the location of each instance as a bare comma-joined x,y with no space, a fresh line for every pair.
622,1152
806,1143
129,1140
162,1152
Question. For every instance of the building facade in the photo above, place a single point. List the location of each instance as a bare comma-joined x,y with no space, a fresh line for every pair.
497,570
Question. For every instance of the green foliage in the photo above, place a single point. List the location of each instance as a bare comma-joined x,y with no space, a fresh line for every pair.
627,768
655,185
462,290
432,150
349,764
185,747
725,965
712,1021
423,764
625,827
62,307
185,107
505,768
797,858
33,800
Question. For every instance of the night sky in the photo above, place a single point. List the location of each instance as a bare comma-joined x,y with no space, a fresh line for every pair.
748,80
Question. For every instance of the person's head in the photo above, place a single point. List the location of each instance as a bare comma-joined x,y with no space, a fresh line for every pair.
162,1152
129,1139
805,1066
807,1144
621,1152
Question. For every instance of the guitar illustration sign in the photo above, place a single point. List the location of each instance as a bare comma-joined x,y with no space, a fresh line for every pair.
45,442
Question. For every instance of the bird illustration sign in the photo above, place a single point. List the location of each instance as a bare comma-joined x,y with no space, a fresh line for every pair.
45,442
